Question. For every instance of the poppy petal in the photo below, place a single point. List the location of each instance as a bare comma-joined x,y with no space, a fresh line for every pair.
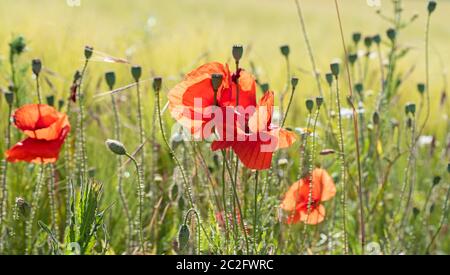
262,117
324,188
315,216
252,155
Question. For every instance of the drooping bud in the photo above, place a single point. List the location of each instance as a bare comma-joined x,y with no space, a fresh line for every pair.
319,101
36,66
285,50
431,6
110,78
421,88
116,147
309,105
183,236
294,82
50,100
157,82
356,37
329,78
9,96
237,52
334,68
136,72
391,34
216,81
88,50
377,39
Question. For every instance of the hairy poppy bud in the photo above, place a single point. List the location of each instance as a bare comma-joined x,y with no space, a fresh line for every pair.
136,72
319,101
334,68
329,78
216,81
421,88
285,50
309,104
157,81
9,96
391,34
431,6
116,147
110,78
17,45
377,39
183,236
36,66
264,87
352,58
368,41
237,51
294,82
356,37
88,50
50,100
376,118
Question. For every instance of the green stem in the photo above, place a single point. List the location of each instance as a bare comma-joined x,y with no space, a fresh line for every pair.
34,205
255,220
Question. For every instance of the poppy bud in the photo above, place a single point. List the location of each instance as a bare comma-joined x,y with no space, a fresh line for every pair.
329,78
412,108
319,101
110,78
309,104
157,81
183,236
285,50
264,87
9,96
335,68
50,100
421,88
352,58
88,51
237,51
36,66
376,118
356,37
436,180
17,45
391,34
116,147
216,81
294,82
377,39
359,88
23,206
136,72
431,6
368,41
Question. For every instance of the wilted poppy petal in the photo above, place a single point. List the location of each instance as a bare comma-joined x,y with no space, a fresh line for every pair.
285,138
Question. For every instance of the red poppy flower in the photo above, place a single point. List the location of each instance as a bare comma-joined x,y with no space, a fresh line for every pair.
191,101
46,129
257,138
297,197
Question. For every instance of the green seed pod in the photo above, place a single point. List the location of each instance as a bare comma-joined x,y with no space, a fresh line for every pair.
50,100
416,211
356,37
391,34
36,66
352,58
237,52
110,78
285,50
329,78
136,72
376,118
116,146
309,104
264,87
407,108
319,101
334,68
183,237
9,96
436,180
294,82
412,108
157,82
60,104
216,81
88,50
359,88
421,88
431,6
368,41
377,39
17,45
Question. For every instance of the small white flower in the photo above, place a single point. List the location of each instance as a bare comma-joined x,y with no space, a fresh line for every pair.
425,140
151,22
73,3
374,3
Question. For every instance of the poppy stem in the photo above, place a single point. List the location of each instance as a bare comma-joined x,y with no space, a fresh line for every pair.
81,142
198,226
225,209
52,198
3,178
34,206
255,220
289,106
141,128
